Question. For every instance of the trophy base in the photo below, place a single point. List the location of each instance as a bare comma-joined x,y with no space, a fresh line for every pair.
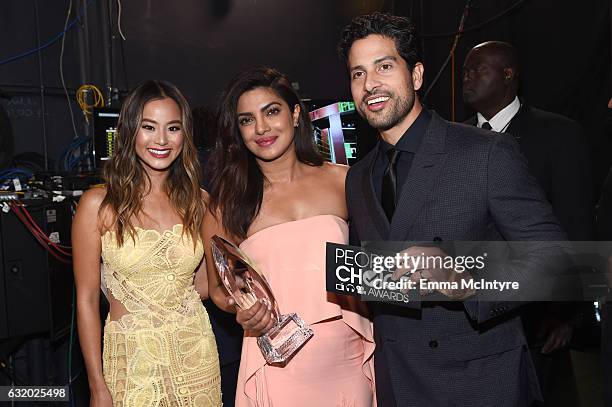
284,339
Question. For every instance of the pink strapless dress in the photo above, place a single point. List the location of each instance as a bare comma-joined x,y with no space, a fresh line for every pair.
335,367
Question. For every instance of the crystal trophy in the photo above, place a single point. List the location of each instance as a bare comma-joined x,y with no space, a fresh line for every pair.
247,285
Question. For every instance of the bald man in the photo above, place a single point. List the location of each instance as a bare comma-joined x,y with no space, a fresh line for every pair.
557,157
553,145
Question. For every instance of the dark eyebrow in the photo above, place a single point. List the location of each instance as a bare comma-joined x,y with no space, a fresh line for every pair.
353,68
379,60
376,62
154,122
262,109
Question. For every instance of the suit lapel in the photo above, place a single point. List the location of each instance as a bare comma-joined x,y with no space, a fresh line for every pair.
518,122
426,167
374,210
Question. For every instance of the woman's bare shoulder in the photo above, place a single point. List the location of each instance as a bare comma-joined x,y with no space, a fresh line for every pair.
90,206
93,197
338,170
335,173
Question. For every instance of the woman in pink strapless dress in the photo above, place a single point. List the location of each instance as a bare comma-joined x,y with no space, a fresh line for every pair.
272,193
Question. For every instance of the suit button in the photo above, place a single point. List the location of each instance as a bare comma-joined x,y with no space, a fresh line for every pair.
433,344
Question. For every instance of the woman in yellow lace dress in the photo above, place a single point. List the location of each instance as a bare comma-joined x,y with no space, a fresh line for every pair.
146,224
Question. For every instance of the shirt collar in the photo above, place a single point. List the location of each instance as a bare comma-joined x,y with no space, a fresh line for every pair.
411,139
500,121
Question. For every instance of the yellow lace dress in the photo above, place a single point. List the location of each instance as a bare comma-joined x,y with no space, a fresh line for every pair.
162,351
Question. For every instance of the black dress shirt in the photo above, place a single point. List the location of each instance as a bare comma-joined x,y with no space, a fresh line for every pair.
408,145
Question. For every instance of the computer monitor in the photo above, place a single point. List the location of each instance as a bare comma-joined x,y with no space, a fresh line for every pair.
105,129
335,129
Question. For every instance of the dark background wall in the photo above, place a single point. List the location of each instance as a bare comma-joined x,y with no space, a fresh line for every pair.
200,44
564,48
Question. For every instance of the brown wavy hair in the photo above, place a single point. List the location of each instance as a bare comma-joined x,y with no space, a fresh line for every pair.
126,180
237,183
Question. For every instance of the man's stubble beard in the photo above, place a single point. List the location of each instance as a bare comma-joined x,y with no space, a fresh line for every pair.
398,111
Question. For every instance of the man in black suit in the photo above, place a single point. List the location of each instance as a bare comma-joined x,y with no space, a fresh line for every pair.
553,144
429,179
557,157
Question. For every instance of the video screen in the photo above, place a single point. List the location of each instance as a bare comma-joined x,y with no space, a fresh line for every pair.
335,129
105,129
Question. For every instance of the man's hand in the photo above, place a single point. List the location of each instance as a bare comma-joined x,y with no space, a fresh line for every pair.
436,274
558,334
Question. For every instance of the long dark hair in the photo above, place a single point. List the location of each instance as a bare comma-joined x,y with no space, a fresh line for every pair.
126,180
237,183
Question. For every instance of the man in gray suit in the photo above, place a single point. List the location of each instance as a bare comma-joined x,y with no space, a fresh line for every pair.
431,180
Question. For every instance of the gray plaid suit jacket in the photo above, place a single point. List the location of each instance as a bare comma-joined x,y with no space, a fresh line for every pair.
464,185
